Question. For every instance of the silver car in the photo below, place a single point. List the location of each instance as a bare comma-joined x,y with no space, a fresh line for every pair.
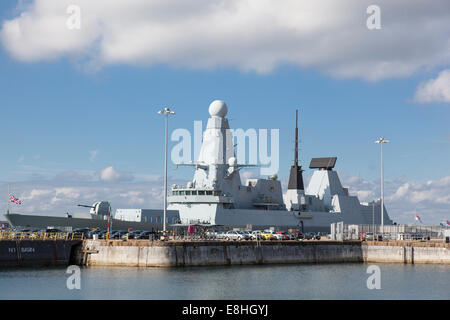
236,235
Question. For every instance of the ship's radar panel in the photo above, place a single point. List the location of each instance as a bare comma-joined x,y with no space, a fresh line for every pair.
323,163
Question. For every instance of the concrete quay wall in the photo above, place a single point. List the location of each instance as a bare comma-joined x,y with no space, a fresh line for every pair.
214,253
143,253
406,252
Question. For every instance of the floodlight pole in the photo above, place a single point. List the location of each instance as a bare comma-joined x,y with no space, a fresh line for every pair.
166,112
381,141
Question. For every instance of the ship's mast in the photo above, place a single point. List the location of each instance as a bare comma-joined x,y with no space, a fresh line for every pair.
295,177
296,137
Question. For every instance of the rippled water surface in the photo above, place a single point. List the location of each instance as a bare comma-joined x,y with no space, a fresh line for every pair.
306,281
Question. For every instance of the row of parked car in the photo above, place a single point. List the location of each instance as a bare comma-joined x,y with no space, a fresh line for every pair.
31,232
368,236
116,234
87,233
260,235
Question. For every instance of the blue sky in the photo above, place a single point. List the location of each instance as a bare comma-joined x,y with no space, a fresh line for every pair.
56,111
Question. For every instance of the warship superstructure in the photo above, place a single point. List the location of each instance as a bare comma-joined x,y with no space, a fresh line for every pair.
216,195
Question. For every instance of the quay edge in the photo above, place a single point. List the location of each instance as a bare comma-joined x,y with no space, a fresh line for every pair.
222,253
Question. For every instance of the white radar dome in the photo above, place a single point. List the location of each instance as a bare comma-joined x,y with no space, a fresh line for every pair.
232,162
218,108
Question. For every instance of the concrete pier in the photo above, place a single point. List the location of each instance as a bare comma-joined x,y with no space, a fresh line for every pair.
142,253
407,252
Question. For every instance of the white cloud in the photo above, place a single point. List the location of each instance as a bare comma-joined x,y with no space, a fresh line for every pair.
420,192
434,90
36,193
430,198
110,174
251,35
136,197
365,190
74,175
54,198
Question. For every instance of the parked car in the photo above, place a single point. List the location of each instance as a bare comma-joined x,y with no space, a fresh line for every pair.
150,235
368,236
131,234
272,235
79,232
263,235
34,233
309,236
220,234
250,235
24,231
256,235
284,235
118,234
419,236
268,235
300,235
102,234
316,236
211,234
53,230
93,232
236,235
386,236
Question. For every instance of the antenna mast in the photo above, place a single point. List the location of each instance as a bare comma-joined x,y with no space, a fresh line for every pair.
295,176
296,137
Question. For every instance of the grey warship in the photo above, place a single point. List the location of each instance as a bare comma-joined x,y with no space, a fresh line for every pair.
216,195
97,217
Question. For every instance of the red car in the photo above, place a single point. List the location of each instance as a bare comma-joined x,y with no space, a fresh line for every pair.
284,235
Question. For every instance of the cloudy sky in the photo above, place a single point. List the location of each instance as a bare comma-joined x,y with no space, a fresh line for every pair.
79,96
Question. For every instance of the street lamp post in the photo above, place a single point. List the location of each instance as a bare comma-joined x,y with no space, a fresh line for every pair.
166,112
381,141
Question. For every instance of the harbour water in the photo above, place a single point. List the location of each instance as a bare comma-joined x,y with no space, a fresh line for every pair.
273,282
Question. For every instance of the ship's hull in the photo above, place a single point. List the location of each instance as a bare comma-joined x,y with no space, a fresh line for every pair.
42,222
214,214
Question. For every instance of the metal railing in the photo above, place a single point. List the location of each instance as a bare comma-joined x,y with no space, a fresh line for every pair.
11,235
390,232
